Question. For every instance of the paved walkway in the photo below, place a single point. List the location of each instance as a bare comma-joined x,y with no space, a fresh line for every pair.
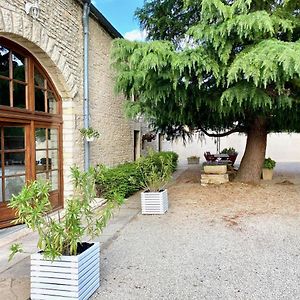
14,276
218,242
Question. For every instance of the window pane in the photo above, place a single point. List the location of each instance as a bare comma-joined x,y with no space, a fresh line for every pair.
19,95
1,198
4,92
14,138
53,159
41,176
52,107
54,180
4,61
41,160
18,62
13,186
39,97
40,138
14,163
53,138
39,79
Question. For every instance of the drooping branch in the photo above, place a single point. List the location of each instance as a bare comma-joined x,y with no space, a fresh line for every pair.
234,130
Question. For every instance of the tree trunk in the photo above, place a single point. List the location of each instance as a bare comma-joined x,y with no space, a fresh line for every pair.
253,159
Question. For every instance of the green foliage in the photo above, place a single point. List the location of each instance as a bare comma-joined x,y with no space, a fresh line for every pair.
14,249
89,133
155,171
61,236
128,178
229,151
221,65
120,180
269,163
164,20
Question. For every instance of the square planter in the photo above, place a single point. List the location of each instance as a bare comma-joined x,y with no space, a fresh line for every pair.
267,174
154,203
68,277
193,160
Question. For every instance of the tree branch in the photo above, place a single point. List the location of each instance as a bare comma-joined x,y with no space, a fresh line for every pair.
236,129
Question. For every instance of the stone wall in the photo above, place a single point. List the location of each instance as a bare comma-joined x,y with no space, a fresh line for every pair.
115,144
56,40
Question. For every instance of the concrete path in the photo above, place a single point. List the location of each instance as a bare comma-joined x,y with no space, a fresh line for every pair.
14,276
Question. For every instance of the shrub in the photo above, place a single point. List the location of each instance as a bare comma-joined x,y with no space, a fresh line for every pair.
122,179
126,179
155,171
229,151
62,236
269,163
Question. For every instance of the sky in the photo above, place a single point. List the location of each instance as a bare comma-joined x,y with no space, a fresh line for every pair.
120,13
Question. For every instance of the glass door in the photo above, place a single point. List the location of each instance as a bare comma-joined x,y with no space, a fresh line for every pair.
13,167
47,160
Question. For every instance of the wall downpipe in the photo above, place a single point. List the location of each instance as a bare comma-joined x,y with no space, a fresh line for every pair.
86,104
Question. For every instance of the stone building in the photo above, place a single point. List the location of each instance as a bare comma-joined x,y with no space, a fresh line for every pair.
41,96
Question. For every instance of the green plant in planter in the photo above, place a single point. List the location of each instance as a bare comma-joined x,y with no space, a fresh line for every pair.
156,171
89,133
229,151
193,157
269,163
62,236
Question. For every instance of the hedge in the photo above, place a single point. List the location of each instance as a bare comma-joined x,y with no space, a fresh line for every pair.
125,179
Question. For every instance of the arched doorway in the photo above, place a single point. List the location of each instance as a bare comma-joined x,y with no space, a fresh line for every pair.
30,127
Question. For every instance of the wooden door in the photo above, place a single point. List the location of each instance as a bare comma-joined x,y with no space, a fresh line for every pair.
14,156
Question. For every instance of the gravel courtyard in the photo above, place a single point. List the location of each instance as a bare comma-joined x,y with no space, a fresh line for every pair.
233,241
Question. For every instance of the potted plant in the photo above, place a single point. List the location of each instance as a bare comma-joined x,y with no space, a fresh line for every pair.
89,134
149,137
155,173
232,154
193,160
267,170
65,267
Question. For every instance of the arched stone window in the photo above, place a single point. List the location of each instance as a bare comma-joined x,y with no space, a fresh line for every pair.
30,127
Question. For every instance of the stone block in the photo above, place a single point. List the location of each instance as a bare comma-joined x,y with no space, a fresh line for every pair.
214,179
215,169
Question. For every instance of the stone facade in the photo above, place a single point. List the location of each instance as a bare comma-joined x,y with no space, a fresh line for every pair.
55,38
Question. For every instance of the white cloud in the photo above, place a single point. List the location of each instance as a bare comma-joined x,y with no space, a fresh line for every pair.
136,35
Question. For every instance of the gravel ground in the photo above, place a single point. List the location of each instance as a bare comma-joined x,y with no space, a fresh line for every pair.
232,241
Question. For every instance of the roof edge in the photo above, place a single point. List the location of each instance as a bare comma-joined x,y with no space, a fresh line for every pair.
109,28
105,23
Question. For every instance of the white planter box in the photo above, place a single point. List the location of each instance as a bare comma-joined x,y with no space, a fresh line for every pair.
69,277
154,203
90,139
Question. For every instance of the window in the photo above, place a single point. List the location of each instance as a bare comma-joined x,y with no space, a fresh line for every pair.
13,81
30,127
12,155
47,155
